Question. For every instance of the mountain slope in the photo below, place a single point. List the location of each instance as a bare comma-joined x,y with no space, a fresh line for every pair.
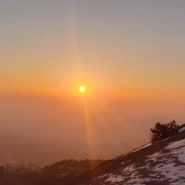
152,164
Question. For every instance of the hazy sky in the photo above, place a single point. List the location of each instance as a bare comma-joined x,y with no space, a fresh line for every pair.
129,54
122,48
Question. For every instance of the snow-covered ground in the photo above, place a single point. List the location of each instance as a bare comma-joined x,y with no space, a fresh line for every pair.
167,166
182,129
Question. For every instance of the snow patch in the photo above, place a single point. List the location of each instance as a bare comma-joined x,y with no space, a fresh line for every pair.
144,146
182,129
176,144
114,178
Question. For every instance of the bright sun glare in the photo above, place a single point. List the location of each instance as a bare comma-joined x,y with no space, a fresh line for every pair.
82,89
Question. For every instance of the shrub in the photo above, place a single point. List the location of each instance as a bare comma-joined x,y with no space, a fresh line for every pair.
162,131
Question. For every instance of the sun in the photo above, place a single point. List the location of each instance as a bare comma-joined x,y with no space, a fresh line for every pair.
82,89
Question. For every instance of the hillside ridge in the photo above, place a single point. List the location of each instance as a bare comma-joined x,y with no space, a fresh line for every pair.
162,162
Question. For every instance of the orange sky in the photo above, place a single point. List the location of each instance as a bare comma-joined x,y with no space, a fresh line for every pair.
123,50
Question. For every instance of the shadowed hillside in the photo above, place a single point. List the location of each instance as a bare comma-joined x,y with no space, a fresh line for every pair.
154,164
